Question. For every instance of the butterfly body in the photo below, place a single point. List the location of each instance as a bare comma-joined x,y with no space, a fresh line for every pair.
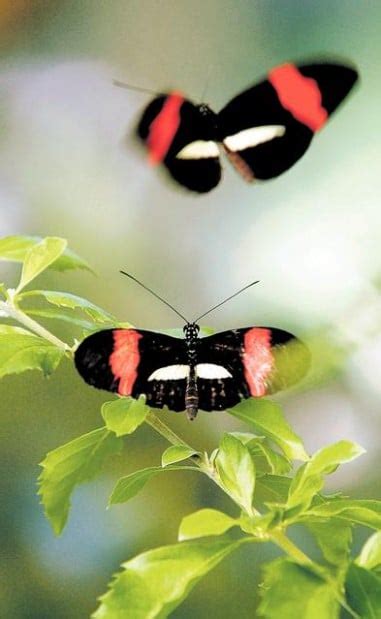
263,131
211,373
191,389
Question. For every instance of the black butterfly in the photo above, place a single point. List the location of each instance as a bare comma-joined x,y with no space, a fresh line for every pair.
263,130
210,373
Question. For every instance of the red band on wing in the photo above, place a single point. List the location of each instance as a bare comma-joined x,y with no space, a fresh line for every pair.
258,360
124,360
163,128
299,95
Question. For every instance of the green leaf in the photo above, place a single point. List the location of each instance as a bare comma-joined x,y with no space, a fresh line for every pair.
334,538
272,488
266,418
71,301
21,350
15,248
124,415
55,314
205,522
291,590
176,453
276,463
364,512
266,460
127,487
40,257
70,465
370,555
12,330
309,479
236,471
154,583
363,591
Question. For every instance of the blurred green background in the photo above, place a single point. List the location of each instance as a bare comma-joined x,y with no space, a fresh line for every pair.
312,237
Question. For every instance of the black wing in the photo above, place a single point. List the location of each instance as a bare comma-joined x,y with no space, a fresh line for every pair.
267,128
123,360
182,137
260,360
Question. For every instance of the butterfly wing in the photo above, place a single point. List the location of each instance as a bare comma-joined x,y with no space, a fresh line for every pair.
182,137
126,361
259,360
267,128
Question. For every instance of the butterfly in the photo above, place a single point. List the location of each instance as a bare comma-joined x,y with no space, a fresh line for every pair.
263,130
210,373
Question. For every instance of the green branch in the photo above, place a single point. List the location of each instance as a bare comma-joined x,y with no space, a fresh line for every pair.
11,310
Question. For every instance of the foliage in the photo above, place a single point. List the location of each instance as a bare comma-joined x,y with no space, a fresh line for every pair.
258,470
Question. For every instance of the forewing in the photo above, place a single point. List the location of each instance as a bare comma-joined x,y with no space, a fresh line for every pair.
181,136
123,360
261,361
267,128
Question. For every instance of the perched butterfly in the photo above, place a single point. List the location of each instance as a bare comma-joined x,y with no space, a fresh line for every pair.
211,373
263,131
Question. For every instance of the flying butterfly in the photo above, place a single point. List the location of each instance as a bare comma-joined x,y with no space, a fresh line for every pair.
263,130
210,373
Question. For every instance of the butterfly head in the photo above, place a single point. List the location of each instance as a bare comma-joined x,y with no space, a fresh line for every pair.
191,330
205,110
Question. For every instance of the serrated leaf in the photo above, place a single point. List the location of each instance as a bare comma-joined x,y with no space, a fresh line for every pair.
124,415
205,522
363,592
370,555
176,453
364,512
235,469
334,538
70,465
154,583
15,248
291,590
39,257
71,301
309,479
21,350
266,418
128,487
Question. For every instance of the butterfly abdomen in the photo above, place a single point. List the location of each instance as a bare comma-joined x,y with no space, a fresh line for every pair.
191,395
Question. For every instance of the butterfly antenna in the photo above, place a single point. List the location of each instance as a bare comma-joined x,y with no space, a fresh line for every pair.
137,88
207,82
228,299
154,294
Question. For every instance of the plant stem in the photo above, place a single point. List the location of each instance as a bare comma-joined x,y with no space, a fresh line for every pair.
202,462
13,311
160,427
281,540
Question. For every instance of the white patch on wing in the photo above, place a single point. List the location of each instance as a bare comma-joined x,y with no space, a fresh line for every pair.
177,372
210,370
248,138
170,372
200,149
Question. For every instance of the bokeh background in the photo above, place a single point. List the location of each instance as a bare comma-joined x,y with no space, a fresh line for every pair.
69,167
